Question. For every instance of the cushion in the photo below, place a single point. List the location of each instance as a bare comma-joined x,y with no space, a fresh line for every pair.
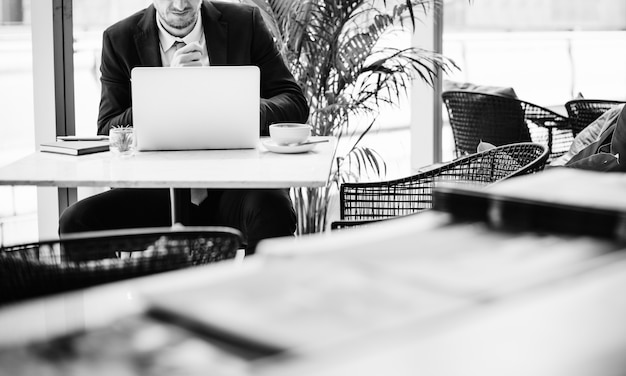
589,135
605,153
618,141
487,89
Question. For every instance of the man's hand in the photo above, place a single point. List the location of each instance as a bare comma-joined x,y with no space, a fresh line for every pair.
187,56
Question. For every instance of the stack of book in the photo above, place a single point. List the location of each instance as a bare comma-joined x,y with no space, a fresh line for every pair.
75,145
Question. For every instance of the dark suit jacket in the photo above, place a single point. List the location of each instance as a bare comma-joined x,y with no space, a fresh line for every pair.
235,35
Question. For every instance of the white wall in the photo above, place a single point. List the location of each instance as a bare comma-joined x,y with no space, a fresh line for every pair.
547,68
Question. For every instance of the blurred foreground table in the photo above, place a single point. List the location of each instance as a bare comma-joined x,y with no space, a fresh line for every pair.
464,289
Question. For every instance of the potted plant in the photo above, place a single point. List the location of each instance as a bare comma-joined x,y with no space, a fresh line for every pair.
334,50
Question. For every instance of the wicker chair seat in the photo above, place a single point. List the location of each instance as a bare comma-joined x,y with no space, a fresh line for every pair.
374,201
42,268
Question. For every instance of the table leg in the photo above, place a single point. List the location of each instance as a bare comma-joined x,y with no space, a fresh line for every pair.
180,199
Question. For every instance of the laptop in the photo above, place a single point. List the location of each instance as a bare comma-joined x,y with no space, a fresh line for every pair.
192,108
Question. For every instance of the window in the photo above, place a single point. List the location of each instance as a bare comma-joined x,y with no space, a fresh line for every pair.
548,50
91,18
18,211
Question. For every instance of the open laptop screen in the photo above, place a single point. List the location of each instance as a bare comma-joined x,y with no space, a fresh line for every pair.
188,108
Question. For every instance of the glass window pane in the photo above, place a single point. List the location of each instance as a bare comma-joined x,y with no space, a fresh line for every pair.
18,210
91,18
547,50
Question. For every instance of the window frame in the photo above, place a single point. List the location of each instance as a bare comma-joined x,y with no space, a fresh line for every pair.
53,97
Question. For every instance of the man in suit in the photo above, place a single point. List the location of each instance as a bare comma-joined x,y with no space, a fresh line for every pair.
192,33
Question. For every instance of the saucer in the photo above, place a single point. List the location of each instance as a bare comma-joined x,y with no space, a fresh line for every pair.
287,149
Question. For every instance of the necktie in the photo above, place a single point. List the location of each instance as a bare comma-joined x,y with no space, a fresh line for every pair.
178,45
197,194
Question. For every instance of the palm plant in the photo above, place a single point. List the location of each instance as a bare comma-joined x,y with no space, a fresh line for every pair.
334,50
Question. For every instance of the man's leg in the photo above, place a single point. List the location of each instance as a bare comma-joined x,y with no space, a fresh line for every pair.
257,213
117,208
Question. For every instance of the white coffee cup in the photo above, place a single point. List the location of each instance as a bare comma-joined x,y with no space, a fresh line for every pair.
290,133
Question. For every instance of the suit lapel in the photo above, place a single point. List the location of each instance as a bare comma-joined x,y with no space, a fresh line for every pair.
215,33
147,40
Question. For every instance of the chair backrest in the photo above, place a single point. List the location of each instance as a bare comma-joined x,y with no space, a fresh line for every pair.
476,117
501,120
42,268
583,112
388,199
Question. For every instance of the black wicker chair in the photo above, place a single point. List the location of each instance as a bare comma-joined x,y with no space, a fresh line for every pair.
501,120
583,112
363,203
43,268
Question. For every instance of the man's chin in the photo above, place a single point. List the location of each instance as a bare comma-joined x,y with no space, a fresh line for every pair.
180,23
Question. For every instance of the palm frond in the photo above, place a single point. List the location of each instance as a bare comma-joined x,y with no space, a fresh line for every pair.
334,50
365,161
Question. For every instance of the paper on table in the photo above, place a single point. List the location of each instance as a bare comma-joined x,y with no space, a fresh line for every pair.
290,305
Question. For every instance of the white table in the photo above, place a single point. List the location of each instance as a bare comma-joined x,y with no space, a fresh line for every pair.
177,170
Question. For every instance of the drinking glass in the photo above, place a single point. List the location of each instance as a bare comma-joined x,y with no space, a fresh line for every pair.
122,141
